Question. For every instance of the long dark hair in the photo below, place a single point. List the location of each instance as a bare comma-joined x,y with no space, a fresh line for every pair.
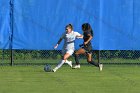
87,27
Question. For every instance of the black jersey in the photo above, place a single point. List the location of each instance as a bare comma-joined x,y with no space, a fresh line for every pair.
88,46
86,36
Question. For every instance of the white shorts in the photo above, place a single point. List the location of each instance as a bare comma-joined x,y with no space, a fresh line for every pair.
71,51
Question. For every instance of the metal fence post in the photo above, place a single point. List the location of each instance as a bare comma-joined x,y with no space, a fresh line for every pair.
11,28
98,56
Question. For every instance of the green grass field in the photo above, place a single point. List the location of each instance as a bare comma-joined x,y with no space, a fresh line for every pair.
88,79
55,61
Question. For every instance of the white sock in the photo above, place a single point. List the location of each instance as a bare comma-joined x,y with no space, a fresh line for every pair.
67,61
59,64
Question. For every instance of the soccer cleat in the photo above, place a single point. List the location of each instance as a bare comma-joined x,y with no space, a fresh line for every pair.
76,66
54,70
100,67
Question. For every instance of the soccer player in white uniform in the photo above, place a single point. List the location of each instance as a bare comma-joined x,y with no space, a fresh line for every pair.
68,48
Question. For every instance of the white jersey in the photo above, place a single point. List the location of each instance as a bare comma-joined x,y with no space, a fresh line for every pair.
69,40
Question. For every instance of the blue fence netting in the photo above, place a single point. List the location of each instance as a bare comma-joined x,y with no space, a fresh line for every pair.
30,28
5,24
38,24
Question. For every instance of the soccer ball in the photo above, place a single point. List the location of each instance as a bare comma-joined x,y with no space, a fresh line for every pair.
47,68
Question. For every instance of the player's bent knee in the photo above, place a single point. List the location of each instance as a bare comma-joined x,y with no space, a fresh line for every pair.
89,61
65,58
76,53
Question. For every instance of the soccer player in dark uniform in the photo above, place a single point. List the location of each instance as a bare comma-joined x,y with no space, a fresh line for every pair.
86,47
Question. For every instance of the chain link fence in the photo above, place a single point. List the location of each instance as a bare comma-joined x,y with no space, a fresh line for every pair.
40,57
120,57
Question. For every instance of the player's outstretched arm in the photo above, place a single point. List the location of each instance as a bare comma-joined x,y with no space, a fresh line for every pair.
59,41
81,36
55,47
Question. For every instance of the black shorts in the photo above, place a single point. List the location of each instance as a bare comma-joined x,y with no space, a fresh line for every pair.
88,49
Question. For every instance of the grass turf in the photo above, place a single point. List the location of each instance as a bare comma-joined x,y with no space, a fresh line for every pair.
55,61
88,79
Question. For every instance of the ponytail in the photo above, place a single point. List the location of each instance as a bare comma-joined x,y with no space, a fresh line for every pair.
70,26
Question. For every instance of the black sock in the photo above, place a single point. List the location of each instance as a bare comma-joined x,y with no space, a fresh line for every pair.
94,63
77,59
